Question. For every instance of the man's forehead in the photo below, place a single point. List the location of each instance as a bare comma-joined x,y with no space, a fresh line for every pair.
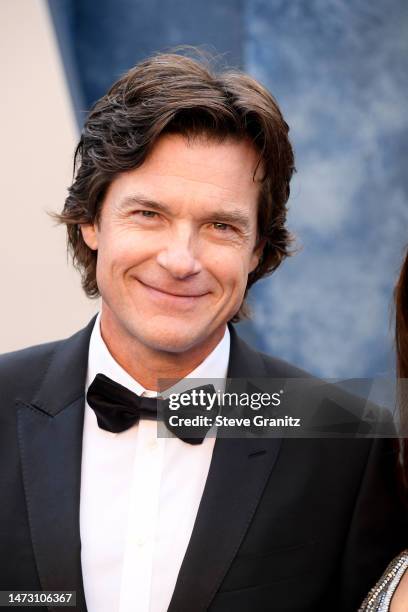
177,153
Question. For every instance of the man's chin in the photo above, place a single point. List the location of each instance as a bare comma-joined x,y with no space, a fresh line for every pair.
176,338
172,342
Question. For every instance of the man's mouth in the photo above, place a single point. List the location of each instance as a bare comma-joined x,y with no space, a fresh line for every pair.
182,297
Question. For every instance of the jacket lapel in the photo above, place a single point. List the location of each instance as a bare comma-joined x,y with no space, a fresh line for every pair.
50,440
238,474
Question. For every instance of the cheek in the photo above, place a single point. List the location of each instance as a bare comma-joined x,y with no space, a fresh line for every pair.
121,251
230,269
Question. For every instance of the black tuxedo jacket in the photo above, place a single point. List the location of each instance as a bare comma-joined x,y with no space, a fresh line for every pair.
302,525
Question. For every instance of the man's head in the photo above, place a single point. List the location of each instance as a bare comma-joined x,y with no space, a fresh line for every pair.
181,188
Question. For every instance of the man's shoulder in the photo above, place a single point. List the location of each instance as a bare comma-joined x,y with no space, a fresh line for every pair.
25,367
24,370
281,368
331,402
248,361
27,356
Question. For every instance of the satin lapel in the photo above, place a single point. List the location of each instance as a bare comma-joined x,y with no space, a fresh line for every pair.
50,441
238,474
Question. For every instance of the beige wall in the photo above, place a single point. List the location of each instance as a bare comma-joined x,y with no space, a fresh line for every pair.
41,297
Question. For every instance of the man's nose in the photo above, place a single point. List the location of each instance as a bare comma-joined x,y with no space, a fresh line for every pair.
178,257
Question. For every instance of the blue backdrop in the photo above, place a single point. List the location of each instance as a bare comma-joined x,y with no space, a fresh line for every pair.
338,69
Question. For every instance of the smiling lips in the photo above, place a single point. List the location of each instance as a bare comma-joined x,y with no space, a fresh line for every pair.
186,298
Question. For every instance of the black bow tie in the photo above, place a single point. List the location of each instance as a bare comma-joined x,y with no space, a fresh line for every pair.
117,409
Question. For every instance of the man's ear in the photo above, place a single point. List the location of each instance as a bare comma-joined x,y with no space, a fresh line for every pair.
90,235
257,254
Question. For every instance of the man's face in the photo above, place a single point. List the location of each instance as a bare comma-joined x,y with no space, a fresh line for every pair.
176,241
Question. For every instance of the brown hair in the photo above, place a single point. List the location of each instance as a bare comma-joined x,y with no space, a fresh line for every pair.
401,341
178,94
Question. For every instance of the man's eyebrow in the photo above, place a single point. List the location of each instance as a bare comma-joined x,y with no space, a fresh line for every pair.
232,217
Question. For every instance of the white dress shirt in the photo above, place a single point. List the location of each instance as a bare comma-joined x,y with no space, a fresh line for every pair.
139,496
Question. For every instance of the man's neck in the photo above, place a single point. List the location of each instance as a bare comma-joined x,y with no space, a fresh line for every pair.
149,366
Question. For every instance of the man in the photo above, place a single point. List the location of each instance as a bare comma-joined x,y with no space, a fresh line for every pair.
178,206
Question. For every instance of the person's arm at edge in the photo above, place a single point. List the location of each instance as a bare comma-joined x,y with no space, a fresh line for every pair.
379,525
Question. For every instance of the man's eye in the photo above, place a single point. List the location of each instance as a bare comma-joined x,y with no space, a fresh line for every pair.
222,226
147,214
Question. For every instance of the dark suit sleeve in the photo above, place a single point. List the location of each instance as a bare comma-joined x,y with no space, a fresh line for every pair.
378,529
